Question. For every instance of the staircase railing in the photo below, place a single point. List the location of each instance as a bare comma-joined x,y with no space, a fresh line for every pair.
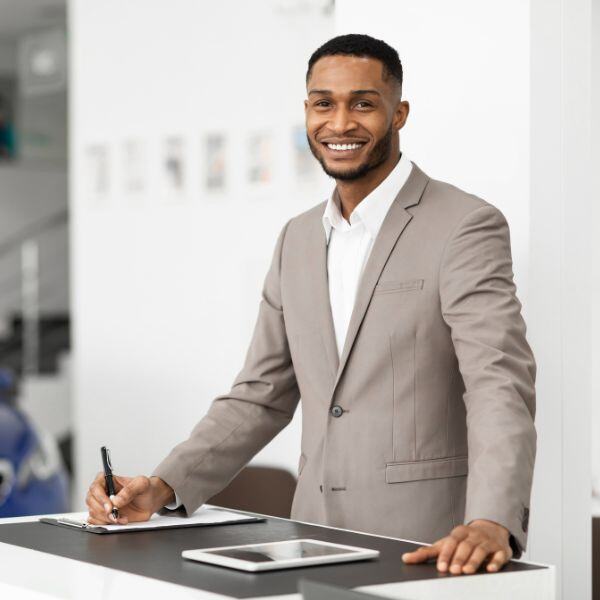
26,243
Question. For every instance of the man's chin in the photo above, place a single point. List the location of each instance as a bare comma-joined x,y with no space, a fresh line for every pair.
347,174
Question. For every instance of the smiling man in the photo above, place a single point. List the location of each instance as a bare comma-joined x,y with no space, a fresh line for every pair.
391,311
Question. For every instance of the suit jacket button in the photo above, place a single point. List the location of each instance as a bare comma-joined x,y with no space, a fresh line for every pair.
336,411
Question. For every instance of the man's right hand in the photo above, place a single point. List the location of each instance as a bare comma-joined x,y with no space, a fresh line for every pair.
137,499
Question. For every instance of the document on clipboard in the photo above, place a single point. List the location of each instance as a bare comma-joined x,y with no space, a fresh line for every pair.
202,517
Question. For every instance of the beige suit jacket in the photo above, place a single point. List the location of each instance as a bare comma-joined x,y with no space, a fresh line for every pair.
426,421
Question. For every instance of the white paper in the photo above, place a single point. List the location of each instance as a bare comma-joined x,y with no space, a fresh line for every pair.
204,516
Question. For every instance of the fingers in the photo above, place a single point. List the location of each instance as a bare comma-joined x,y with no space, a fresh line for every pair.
478,555
98,503
499,559
98,490
92,520
421,554
461,554
132,488
447,550
465,549
96,511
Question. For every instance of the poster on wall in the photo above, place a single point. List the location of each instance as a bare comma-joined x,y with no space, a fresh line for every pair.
173,167
260,156
214,162
304,161
96,172
42,76
133,165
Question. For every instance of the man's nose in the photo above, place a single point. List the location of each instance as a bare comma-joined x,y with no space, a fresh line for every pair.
342,121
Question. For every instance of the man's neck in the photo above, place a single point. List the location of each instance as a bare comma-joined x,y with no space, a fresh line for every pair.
352,193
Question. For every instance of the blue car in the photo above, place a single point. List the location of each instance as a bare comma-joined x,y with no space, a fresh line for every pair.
32,477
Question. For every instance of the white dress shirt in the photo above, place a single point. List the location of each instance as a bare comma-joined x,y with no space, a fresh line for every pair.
349,244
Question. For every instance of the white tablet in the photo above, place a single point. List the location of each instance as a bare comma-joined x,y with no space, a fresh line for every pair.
279,555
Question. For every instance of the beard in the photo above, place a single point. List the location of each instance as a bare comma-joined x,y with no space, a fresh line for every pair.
378,155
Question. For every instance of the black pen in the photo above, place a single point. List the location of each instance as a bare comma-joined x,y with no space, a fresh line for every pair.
108,477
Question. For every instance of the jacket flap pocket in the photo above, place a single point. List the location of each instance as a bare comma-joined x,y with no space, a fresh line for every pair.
397,472
399,286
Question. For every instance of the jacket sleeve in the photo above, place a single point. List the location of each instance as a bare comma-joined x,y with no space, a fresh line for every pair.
238,424
479,304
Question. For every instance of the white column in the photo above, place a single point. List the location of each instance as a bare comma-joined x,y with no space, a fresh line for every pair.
560,286
596,253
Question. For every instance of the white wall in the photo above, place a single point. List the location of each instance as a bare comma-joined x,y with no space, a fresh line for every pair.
166,290
596,250
467,124
500,107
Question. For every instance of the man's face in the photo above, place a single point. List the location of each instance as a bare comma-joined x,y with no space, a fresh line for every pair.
352,115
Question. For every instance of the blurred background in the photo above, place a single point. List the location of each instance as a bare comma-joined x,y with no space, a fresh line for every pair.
150,152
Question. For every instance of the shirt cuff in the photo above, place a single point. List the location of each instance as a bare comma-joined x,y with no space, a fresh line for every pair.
174,505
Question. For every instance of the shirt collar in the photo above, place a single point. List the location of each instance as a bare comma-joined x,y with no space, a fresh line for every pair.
371,211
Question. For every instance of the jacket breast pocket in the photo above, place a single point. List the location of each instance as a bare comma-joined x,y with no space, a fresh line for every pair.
418,470
390,287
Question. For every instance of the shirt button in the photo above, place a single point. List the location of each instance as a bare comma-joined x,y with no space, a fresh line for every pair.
336,411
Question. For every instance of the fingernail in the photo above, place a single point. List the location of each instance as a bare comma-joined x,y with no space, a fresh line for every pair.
443,566
405,556
112,498
492,568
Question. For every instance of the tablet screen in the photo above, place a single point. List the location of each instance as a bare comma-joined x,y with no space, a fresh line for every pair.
275,552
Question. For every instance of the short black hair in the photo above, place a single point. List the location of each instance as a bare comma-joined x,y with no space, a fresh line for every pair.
357,44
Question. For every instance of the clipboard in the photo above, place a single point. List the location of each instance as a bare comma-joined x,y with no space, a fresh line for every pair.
203,517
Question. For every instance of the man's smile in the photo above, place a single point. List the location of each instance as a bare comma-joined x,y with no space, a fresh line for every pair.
342,149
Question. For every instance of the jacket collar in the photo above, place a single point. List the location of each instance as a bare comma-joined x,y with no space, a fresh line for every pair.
394,223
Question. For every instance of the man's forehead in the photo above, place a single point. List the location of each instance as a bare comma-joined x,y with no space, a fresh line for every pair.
352,72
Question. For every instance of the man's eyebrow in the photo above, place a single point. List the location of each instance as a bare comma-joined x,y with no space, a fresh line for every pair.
354,92
361,92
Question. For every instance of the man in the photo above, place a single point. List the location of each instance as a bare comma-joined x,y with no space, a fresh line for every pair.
391,311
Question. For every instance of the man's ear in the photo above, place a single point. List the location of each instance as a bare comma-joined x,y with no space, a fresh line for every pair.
305,105
401,115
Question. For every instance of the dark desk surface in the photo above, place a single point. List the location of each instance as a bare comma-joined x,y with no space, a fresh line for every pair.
157,554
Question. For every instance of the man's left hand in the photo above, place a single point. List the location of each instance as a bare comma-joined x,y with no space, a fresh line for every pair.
466,548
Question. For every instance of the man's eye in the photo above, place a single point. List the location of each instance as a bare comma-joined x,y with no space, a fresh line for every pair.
363,104
322,103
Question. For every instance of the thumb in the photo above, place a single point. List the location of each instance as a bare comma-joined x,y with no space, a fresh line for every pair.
132,488
421,554
120,482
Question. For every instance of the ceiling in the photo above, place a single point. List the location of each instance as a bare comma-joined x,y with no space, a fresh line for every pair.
19,16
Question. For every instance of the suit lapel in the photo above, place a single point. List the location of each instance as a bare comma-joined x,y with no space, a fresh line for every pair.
322,303
392,227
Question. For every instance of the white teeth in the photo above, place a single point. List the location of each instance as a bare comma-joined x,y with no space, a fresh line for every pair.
344,146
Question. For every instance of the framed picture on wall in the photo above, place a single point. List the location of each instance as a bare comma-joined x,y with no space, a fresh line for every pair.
133,166
215,162
260,157
173,167
96,172
304,161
